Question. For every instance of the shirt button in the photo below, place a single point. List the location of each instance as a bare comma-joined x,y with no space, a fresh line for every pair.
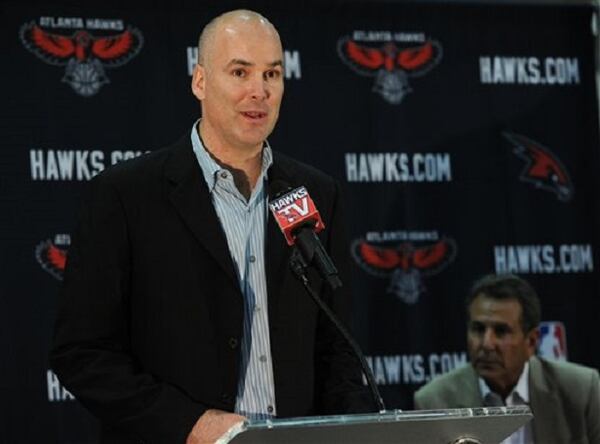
252,258
257,308
224,174
270,409
233,342
263,358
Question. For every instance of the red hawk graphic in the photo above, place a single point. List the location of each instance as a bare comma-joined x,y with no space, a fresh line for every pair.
390,65
542,168
84,55
404,264
52,258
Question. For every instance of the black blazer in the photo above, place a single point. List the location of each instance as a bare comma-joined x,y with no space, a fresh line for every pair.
151,313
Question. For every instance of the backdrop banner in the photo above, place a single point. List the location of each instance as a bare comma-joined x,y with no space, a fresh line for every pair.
465,137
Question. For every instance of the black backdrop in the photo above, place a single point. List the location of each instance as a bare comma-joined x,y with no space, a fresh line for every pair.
465,137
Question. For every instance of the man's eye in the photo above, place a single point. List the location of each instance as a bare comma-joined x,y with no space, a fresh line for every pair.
501,330
274,74
238,72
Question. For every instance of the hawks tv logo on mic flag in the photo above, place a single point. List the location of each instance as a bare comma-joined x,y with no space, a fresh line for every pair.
294,209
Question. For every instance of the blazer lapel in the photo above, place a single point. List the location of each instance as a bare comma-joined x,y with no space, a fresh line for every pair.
189,194
548,422
469,394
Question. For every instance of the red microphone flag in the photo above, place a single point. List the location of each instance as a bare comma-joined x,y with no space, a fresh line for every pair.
294,209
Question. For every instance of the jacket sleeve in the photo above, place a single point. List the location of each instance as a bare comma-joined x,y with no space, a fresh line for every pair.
592,410
417,402
91,351
338,373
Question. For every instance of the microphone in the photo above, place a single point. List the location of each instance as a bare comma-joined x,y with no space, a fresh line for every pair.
300,221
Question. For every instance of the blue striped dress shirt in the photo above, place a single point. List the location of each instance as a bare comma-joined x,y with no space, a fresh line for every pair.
244,223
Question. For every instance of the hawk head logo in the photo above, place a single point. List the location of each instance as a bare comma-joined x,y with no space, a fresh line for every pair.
404,264
52,258
542,168
84,55
391,66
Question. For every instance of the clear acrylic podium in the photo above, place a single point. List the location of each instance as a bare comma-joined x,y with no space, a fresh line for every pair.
487,425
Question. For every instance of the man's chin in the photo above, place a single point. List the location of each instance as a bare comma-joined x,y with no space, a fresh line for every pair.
487,368
255,136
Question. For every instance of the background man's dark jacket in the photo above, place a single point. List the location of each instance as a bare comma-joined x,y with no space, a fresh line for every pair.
151,313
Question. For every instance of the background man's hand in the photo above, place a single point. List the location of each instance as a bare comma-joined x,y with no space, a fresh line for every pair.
212,425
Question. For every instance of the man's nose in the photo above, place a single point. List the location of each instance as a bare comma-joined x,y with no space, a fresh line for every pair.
259,88
489,339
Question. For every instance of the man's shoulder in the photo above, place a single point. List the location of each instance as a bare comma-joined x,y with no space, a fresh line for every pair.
143,168
447,380
568,373
444,391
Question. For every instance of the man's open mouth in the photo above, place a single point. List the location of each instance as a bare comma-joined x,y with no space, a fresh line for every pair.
254,114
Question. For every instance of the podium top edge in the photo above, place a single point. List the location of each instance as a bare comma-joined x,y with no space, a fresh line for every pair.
391,416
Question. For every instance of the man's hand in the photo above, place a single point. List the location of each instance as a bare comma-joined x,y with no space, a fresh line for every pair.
212,425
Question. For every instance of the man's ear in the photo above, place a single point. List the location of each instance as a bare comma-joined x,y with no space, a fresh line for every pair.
532,338
198,81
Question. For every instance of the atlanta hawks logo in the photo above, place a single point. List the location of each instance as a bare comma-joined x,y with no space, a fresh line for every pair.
405,264
52,258
390,65
542,168
84,55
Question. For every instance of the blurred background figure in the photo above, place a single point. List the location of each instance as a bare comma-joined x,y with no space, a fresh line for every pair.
502,336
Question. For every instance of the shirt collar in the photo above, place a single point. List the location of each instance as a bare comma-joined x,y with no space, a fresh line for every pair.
210,168
208,165
521,389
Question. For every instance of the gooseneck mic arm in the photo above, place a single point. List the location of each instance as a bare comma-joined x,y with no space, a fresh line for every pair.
313,252
299,266
300,221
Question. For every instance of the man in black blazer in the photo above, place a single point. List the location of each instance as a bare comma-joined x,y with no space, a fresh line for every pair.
151,320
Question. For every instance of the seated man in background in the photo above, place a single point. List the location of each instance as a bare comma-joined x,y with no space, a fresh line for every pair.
503,316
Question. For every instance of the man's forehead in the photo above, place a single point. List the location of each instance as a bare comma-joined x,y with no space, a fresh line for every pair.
245,54
488,309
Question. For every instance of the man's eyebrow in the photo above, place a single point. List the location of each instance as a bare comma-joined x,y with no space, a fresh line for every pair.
239,62
492,324
243,62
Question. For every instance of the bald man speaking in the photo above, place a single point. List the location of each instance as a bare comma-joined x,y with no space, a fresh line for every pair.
179,315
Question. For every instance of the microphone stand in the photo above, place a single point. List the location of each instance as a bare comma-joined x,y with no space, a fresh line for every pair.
299,267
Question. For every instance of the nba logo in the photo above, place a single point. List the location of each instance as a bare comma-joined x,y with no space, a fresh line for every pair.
553,341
